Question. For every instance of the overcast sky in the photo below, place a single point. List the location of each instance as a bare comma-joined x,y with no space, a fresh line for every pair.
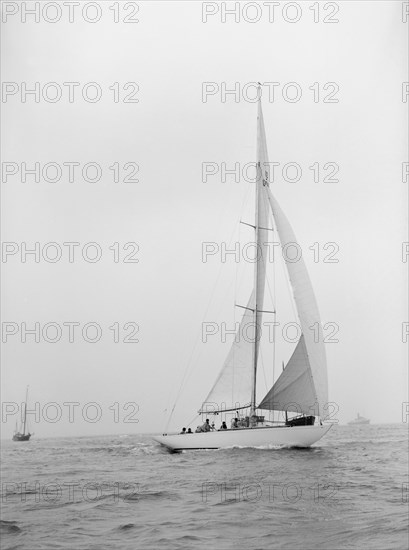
170,211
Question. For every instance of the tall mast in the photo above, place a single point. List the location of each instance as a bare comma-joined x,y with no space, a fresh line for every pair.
256,331
259,174
25,412
239,370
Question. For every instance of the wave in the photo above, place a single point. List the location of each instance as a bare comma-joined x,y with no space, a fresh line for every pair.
124,449
126,527
150,495
9,527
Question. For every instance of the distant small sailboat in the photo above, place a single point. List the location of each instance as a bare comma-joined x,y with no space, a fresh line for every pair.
359,420
22,435
303,381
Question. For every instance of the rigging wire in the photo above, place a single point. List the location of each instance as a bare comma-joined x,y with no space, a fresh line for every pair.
264,372
275,306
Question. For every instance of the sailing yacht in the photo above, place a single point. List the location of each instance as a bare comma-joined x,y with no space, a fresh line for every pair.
302,385
22,435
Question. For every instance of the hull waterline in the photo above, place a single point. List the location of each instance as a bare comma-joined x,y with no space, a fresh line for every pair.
283,436
21,437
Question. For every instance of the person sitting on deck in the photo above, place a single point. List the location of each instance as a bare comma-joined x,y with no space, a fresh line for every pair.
189,431
223,426
183,431
234,423
199,429
206,426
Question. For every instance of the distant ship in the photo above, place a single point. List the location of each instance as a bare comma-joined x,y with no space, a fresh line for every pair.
22,435
359,420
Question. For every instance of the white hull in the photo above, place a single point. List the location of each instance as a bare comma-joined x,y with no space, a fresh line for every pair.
283,436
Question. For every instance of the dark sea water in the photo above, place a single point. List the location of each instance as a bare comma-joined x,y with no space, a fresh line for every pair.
350,491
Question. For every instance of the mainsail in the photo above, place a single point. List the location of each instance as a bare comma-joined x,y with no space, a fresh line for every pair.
306,372
262,229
